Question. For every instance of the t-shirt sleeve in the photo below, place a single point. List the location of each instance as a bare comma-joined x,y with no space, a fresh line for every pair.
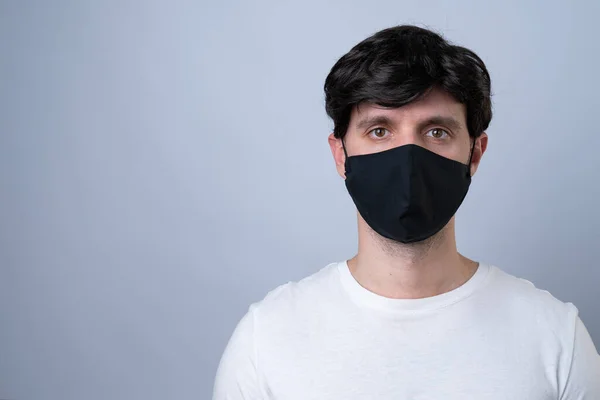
583,381
237,374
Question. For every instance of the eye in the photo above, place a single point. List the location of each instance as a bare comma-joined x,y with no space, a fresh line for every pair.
379,133
437,133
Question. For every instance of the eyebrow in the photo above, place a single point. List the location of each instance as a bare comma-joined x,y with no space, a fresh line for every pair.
373,120
447,121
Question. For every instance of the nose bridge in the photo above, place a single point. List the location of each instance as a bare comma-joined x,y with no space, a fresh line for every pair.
407,133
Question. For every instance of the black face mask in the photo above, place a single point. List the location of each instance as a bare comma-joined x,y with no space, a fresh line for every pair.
407,193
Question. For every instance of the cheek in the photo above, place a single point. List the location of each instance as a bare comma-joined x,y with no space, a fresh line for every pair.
376,146
454,150
362,144
368,145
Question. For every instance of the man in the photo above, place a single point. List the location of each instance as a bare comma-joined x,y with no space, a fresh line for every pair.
409,317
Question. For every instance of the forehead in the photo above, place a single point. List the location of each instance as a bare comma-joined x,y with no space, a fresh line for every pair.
435,103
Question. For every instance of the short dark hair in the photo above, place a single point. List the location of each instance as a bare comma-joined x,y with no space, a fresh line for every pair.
397,65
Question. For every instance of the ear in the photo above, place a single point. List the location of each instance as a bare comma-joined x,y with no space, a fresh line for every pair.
338,154
480,146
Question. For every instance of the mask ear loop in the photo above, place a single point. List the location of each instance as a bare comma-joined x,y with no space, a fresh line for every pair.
346,165
471,156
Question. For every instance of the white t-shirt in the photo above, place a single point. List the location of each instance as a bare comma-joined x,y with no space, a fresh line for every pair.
326,337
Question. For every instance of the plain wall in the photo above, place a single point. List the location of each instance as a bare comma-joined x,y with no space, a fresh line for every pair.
165,164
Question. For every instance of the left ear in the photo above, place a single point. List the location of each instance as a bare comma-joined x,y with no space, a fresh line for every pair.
480,147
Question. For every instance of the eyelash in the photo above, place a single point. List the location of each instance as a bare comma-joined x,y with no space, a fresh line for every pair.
374,129
432,129
441,129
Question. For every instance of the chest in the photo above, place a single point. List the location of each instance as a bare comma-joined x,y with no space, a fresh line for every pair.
408,361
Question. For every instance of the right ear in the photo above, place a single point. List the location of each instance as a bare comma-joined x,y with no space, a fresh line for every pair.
338,154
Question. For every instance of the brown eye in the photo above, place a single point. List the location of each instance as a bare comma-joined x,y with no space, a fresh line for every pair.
437,133
378,133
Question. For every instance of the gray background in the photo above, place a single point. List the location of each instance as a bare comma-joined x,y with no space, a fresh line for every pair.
165,164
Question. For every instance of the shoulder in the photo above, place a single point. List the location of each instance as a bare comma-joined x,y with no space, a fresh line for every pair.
293,311
524,293
556,329
267,321
520,301
298,295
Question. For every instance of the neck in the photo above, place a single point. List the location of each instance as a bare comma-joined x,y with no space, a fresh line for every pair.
409,271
